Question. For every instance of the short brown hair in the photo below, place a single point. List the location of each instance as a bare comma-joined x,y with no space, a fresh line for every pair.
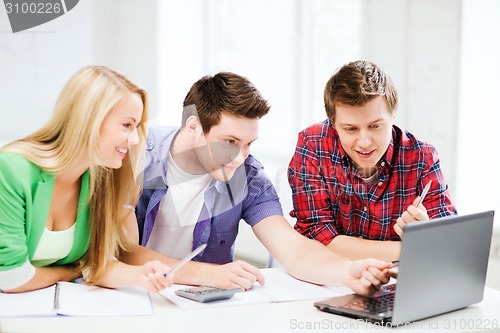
357,83
223,92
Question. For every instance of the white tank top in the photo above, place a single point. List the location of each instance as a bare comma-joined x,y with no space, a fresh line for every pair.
53,245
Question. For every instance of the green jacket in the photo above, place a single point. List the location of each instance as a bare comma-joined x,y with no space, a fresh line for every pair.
25,198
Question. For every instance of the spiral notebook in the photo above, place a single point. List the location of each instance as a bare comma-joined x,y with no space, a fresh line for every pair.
73,299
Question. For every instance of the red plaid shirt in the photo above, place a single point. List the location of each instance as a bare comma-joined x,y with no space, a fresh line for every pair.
330,198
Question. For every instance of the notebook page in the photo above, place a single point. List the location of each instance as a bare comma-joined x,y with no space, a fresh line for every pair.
279,287
35,303
283,287
252,296
82,300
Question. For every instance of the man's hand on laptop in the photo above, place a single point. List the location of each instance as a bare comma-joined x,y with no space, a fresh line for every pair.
367,276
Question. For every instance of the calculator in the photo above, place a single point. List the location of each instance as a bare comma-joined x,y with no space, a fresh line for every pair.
207,294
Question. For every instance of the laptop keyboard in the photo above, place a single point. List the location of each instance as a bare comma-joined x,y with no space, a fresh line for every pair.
389,288
381,303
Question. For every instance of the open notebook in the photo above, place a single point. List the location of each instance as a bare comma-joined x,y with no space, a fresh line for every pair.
73,299
279,287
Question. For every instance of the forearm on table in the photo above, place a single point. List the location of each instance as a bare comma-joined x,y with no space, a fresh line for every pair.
47,276
357,248
120,275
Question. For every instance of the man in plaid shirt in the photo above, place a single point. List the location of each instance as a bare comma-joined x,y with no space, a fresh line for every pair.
356,177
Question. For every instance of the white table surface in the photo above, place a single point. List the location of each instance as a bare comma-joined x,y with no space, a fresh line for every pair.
269,317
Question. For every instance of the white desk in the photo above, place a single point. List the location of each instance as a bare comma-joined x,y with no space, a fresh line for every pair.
270,317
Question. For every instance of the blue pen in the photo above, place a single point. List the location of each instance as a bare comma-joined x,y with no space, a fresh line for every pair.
186,259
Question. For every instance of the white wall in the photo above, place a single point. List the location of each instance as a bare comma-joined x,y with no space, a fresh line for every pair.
477,145
418,43
34,65
125,37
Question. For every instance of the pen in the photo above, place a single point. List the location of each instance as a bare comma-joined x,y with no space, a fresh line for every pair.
394,269
424,192
186,259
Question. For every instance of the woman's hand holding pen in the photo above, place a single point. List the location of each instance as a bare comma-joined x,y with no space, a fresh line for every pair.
152,276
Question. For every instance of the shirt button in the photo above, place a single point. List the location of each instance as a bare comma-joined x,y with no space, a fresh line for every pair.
379,183
382,164
360,237
365,208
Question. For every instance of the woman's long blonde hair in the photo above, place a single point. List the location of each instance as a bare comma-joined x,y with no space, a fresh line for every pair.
75,126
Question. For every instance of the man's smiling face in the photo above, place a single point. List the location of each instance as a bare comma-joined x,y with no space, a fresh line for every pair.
365,132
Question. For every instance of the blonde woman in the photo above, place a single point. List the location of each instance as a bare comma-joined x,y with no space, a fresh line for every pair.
66,190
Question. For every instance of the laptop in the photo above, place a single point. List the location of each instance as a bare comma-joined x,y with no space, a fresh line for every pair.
442,268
